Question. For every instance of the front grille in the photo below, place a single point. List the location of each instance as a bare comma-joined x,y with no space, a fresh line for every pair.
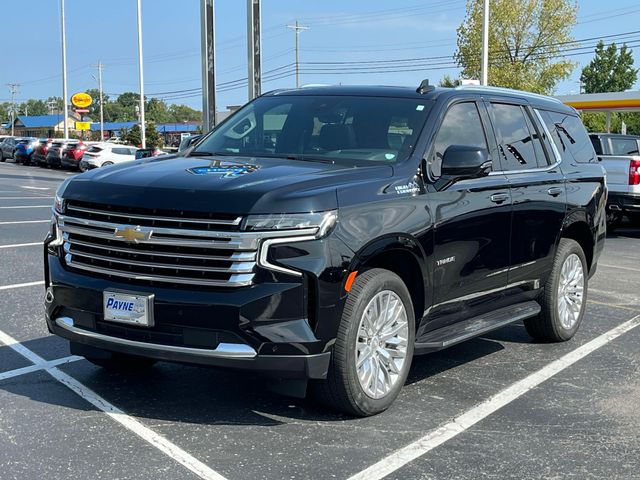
182,248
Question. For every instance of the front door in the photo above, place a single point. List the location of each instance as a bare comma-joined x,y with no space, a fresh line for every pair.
472,221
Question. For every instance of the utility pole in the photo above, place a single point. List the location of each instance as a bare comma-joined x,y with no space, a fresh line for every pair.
297,28
13,88
208,50
141,70
254,48
485,45
64,70
100,66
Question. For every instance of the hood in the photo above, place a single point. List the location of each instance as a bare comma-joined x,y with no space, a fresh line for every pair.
236,185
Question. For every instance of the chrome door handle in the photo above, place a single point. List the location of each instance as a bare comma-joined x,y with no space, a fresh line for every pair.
499,197
554,191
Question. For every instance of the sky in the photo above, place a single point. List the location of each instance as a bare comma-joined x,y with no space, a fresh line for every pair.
339,31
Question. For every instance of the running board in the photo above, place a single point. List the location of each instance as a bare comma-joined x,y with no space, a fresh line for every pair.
459,332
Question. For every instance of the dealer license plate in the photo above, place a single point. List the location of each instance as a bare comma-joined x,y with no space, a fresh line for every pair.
125,307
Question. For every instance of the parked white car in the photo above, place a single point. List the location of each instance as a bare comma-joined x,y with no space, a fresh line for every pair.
105,154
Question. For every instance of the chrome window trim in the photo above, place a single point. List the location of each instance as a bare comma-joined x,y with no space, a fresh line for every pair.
554,149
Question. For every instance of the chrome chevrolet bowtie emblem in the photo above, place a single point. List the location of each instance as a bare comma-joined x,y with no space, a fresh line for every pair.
133,234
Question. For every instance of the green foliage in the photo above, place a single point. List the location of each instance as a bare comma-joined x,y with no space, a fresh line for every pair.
611,70
33,107
597,122
526,38
449,82
133,136
184,113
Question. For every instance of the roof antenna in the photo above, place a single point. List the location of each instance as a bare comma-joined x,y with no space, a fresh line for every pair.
425,87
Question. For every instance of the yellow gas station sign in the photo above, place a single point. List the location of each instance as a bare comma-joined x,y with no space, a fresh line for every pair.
83,125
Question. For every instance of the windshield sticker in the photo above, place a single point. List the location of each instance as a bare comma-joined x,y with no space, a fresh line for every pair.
223,169
420,108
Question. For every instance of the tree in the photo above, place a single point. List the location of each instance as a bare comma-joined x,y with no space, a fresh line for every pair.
94,108
448,82
133,136
526,39
33,107
184,113
157,111
610,70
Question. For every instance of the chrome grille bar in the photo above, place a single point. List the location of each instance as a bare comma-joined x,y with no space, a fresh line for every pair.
93,211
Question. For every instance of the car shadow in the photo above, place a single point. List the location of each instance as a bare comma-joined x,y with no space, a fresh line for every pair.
171,392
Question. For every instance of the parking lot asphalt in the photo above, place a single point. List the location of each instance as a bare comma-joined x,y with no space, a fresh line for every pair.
574,417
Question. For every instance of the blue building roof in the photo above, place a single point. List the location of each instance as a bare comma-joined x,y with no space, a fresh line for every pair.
161,127
113,126
40,121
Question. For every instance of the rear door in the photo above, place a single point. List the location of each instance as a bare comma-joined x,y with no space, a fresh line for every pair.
538,192
472,223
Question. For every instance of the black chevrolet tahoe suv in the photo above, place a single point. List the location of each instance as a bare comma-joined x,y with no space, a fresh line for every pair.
326,235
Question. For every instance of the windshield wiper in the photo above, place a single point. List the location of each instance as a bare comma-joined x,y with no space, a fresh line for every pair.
211,154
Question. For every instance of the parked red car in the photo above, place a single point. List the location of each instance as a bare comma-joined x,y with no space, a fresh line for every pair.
72,155
40,153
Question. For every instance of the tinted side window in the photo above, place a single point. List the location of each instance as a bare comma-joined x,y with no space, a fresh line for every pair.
461,126
120,151
597,144
515,140
624,146
570,136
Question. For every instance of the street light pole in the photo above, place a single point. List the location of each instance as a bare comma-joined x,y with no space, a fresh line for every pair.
100,66
64,70
141,74
208,50
485,44
254,48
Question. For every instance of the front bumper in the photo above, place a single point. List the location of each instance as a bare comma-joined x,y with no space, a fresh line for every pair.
263,327
227,355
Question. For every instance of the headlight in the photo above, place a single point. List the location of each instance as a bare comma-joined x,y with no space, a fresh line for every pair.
322,222
288,228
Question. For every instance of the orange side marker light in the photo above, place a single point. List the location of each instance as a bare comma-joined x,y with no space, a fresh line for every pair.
349,282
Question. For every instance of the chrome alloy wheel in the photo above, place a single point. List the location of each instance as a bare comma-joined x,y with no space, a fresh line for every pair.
570,291
381,347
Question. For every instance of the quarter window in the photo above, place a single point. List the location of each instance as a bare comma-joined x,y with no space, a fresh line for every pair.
516,141
570,136
461,126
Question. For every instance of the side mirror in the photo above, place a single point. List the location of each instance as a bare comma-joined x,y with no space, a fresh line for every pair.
464,161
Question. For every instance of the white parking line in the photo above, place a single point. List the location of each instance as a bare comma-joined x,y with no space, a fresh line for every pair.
38,197
25,221
26,206
148,435
41,366
36,188
20,285
21,245
458,425
618,266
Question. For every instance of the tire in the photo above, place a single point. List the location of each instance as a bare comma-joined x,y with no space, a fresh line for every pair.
120,362
614,219
343,389
2,159
552,324
106,164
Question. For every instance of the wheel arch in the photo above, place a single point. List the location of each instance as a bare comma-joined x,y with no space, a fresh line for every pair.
580,231
404,256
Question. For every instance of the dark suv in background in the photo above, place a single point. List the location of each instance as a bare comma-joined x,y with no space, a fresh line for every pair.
326,235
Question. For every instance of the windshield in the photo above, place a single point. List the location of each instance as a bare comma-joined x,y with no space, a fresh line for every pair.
346,129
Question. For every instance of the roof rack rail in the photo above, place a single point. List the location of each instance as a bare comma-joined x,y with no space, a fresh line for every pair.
425,87
482,88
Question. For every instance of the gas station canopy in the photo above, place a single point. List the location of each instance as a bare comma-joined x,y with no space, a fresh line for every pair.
604,102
